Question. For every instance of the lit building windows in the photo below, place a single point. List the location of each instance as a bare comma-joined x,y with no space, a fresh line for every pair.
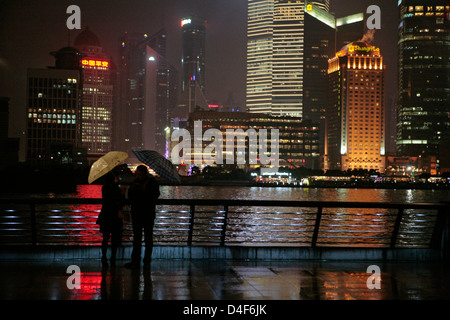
422,50
97,106
360,119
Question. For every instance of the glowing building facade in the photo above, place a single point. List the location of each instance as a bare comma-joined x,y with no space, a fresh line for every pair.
54,111
193,62
288,47
98,95
281,36
275,51
423,120
355,116
298,140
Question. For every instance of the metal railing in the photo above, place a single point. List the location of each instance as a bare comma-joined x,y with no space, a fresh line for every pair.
193,222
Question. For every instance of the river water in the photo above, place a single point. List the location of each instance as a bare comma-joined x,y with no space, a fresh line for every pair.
288,194
245,224
294,225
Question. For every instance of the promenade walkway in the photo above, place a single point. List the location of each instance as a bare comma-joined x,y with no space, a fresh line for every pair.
224,280
214,267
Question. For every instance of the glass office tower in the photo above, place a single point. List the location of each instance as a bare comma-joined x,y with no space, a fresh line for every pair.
193,61
284,38
288,47
275,55
54,110
148,93
423,122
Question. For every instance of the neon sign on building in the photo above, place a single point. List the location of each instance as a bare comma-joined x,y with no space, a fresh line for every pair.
95,63
185,21
366,49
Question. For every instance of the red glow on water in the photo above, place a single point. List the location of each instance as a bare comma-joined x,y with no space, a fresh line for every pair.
86,214
90,286
89,191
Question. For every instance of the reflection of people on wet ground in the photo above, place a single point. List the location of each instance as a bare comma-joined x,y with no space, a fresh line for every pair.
139,290
115,285
143,193
111,224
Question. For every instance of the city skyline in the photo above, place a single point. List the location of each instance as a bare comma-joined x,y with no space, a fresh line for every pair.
258,150
223,18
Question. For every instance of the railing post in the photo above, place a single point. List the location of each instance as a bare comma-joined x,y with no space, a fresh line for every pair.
33,224
446,237
396,227
191,226
317,226
441,237
224,227
438,231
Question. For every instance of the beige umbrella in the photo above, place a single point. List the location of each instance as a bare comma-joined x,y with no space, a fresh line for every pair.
105,164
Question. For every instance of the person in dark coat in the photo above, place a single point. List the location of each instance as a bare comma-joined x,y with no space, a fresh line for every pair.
111,224
143,193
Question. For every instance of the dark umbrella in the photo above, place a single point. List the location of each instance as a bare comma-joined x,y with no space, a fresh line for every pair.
163,167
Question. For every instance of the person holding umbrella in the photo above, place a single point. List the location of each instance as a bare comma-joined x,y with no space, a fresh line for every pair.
113,199
142,193
109,219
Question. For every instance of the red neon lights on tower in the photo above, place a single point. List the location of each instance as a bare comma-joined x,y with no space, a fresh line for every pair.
95,63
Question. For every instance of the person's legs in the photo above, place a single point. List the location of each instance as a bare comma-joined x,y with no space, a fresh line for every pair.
137,243
116,238
106,235
148,234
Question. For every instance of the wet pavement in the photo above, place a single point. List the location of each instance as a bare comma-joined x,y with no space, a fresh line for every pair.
169,280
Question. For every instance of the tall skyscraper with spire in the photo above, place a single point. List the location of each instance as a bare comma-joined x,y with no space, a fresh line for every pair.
193,62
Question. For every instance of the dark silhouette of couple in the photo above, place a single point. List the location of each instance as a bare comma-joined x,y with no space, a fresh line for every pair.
142,195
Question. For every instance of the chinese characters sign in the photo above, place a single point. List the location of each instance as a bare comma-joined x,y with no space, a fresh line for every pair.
95,63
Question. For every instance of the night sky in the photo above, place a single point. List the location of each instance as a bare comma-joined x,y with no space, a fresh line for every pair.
29,30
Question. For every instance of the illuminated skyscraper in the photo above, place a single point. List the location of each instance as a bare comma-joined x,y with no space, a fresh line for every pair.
259,55
282,35
148,93
98,95
132,66
423,121
54,110
355,116
193,61
160,101
319,46
288,47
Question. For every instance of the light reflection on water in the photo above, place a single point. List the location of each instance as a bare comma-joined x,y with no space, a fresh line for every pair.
241,220
77,223
277,193
304,194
